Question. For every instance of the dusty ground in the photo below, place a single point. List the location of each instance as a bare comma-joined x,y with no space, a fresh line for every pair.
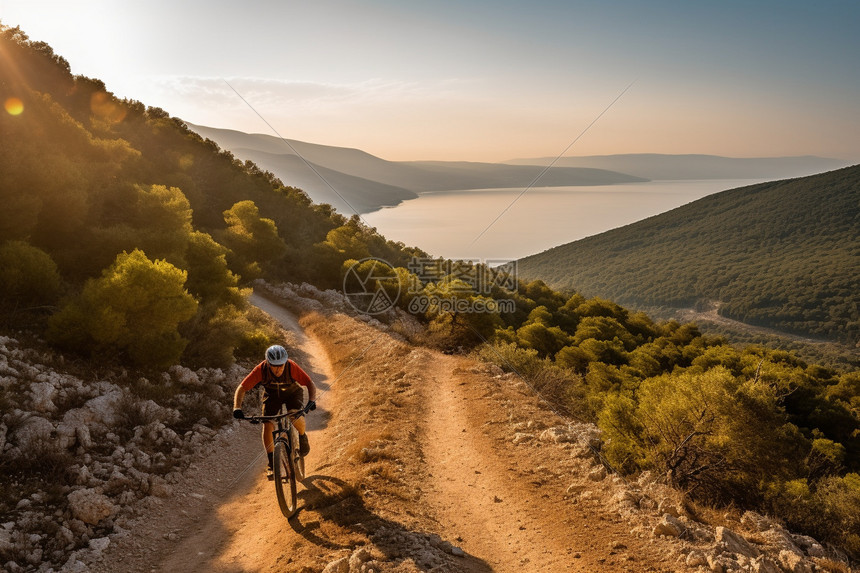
414,457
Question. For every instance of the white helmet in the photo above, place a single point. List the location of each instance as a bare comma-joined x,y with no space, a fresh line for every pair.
276,355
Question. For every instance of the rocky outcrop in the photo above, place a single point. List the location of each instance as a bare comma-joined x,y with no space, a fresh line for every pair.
668,526
101,450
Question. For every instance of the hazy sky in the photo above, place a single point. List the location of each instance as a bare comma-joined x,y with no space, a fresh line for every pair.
480,80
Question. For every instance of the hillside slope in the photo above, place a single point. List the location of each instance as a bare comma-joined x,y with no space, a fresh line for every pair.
346,193
783,254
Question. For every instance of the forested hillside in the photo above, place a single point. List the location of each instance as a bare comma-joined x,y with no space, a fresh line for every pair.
783,254
104,196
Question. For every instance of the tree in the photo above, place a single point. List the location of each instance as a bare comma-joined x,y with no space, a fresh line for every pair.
162,217
134,309
459,317
546,340
575,358
209,277
252,239
603,328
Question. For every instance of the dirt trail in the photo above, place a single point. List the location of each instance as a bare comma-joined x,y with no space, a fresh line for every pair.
461,481
712,315
497,521
508,503
249,529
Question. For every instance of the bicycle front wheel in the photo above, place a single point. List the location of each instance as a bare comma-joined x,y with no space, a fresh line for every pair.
298,459
285,479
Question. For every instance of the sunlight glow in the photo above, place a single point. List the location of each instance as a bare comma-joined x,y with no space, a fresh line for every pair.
104,107
14,106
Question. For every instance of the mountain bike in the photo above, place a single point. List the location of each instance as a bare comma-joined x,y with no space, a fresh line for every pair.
289,464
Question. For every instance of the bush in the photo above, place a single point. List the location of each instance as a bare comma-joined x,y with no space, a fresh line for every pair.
561,387
830,511
29,275
213,334
134,309
710,433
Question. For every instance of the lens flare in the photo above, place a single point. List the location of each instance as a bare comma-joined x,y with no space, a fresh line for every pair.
14,106
104,107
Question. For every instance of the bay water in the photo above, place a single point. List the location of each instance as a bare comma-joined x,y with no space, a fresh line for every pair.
505,224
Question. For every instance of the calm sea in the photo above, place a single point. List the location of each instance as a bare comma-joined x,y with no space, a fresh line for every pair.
448,223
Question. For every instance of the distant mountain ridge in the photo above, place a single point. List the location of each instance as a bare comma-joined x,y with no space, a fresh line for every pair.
783,254
656,166
346,193
368,182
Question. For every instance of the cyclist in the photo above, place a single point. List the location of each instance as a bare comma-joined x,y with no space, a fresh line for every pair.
282,380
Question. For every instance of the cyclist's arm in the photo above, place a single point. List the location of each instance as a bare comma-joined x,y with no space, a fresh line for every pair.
302,378
253,378
238,397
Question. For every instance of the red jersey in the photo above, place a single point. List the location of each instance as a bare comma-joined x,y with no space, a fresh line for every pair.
261,374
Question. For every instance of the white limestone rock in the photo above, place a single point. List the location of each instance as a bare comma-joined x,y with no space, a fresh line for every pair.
33,433
90,506
42,396
734,543
668,526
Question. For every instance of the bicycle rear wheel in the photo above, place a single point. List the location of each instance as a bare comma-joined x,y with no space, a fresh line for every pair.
285,479
298,459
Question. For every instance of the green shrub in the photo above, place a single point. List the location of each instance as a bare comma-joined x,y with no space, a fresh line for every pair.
134,308
29,276
253,240
710,433
830,511
217,334
563,388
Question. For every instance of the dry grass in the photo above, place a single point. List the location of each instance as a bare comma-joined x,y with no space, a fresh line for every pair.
374,387
832,566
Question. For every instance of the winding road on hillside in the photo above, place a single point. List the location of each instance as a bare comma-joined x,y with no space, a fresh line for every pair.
224,517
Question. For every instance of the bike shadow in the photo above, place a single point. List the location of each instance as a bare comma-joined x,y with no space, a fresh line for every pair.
333,515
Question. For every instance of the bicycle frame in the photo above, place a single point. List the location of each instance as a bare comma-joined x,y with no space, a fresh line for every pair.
289,466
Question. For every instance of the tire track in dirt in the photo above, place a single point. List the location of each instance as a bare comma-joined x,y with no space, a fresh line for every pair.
473,497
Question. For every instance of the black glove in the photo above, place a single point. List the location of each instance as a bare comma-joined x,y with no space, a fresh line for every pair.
238,414
310,406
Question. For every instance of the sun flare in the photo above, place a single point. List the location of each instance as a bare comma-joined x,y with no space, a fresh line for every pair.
14,106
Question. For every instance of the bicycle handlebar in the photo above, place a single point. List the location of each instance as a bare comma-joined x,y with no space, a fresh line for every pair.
292,414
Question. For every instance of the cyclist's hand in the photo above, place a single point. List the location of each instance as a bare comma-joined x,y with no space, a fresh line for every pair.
311,406
239,414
